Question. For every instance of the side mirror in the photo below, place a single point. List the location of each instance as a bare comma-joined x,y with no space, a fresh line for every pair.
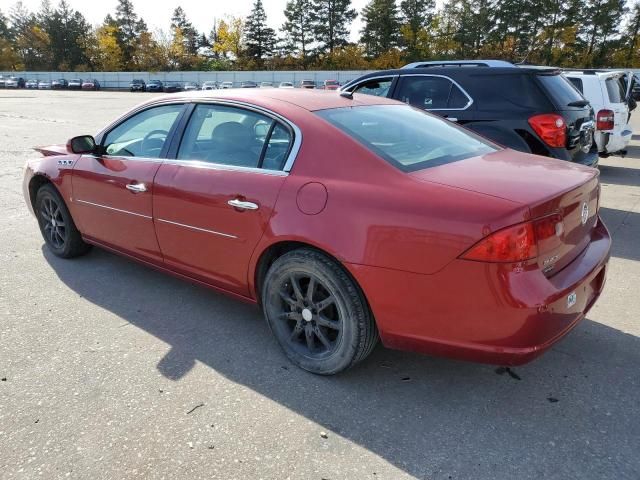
82,144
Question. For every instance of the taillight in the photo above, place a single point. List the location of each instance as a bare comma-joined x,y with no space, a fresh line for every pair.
518,242
605,120
551,128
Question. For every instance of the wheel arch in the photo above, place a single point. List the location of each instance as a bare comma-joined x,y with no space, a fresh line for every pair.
269,254
35,184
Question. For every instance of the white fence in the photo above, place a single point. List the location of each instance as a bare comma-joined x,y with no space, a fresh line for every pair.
121,80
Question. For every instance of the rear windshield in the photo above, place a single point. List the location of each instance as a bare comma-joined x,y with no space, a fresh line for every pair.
560,89
408,138
615,90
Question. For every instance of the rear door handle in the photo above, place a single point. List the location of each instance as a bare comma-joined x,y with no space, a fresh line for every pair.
235,203
136,187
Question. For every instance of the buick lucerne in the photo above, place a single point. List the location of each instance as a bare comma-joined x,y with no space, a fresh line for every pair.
346,218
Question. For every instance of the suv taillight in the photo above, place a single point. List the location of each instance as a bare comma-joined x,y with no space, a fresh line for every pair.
516,243
605,120
551,128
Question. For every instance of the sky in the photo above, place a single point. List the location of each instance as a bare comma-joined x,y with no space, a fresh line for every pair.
157,13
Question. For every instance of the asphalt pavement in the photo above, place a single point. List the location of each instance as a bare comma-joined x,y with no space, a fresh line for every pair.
111,370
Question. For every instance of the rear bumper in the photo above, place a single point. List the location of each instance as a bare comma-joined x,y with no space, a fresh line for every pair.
481,312
613,142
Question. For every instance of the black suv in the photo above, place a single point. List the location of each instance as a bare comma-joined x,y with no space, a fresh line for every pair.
534,110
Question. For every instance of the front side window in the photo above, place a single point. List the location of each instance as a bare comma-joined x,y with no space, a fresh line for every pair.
405,137
379,87
235,136
144,134
431,93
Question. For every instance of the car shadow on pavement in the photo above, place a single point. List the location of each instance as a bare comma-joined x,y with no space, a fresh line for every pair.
570,414
614,175
624,227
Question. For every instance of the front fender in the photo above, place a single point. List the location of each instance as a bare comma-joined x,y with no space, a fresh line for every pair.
56,170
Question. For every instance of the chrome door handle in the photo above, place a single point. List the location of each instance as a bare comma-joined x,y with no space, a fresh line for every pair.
451,119
235,203
136,187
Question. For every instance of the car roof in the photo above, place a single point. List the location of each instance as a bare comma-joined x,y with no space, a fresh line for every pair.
310,100
461,63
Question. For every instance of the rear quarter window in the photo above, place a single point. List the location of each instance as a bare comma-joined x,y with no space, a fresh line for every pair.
506,92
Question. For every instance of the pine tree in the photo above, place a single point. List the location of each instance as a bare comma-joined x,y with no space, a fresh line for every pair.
605,19
260,39
381,30
190,35
129,29
416,16
633,38
331,21
298,29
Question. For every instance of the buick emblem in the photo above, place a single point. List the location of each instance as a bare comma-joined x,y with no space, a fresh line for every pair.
585,213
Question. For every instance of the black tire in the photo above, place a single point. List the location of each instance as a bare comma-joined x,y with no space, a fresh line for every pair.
56,225
332,311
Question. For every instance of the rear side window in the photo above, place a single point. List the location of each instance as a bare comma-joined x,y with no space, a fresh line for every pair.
615,90
577,82
406,137
560,90
431,93
506,92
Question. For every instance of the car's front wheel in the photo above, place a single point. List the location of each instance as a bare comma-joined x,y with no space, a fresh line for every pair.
317,313
56,225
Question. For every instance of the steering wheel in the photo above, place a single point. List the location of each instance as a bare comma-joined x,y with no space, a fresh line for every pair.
144,145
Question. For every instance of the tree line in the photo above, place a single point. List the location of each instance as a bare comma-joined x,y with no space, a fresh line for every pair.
316,35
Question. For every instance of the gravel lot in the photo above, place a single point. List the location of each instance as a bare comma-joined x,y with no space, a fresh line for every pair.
113,370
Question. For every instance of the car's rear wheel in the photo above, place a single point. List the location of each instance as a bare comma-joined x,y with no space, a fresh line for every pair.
56,225
317,313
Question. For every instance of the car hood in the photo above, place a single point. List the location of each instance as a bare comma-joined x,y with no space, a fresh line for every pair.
519,177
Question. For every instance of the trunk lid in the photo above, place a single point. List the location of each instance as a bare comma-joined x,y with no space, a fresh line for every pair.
546,186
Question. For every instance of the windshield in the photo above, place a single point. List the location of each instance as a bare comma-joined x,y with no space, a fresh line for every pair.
408,138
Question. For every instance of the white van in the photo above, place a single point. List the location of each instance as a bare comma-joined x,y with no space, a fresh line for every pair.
609,93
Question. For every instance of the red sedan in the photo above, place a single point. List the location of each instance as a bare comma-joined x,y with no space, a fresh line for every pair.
345,218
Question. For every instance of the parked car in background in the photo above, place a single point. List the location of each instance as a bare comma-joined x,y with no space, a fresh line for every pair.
307,84
286,85
189,86
75,84
44,85
210,85
154,86
137,85
172,87
2,81
14,82
330,85
611,99
266,84
31,83
59,84
248,84
226,85
533,110
635,88
448,244
93,84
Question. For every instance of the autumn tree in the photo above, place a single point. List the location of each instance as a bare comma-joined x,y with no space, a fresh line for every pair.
331,21
381,31
298,29
260,39
415,17
229,37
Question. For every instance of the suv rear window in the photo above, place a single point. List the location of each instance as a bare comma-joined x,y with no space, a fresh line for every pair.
615,90
406,137
506,92
560,89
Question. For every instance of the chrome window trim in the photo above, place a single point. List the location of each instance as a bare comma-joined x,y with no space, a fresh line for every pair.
297,133
118,157
222,166
114,209
191,227
469,103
